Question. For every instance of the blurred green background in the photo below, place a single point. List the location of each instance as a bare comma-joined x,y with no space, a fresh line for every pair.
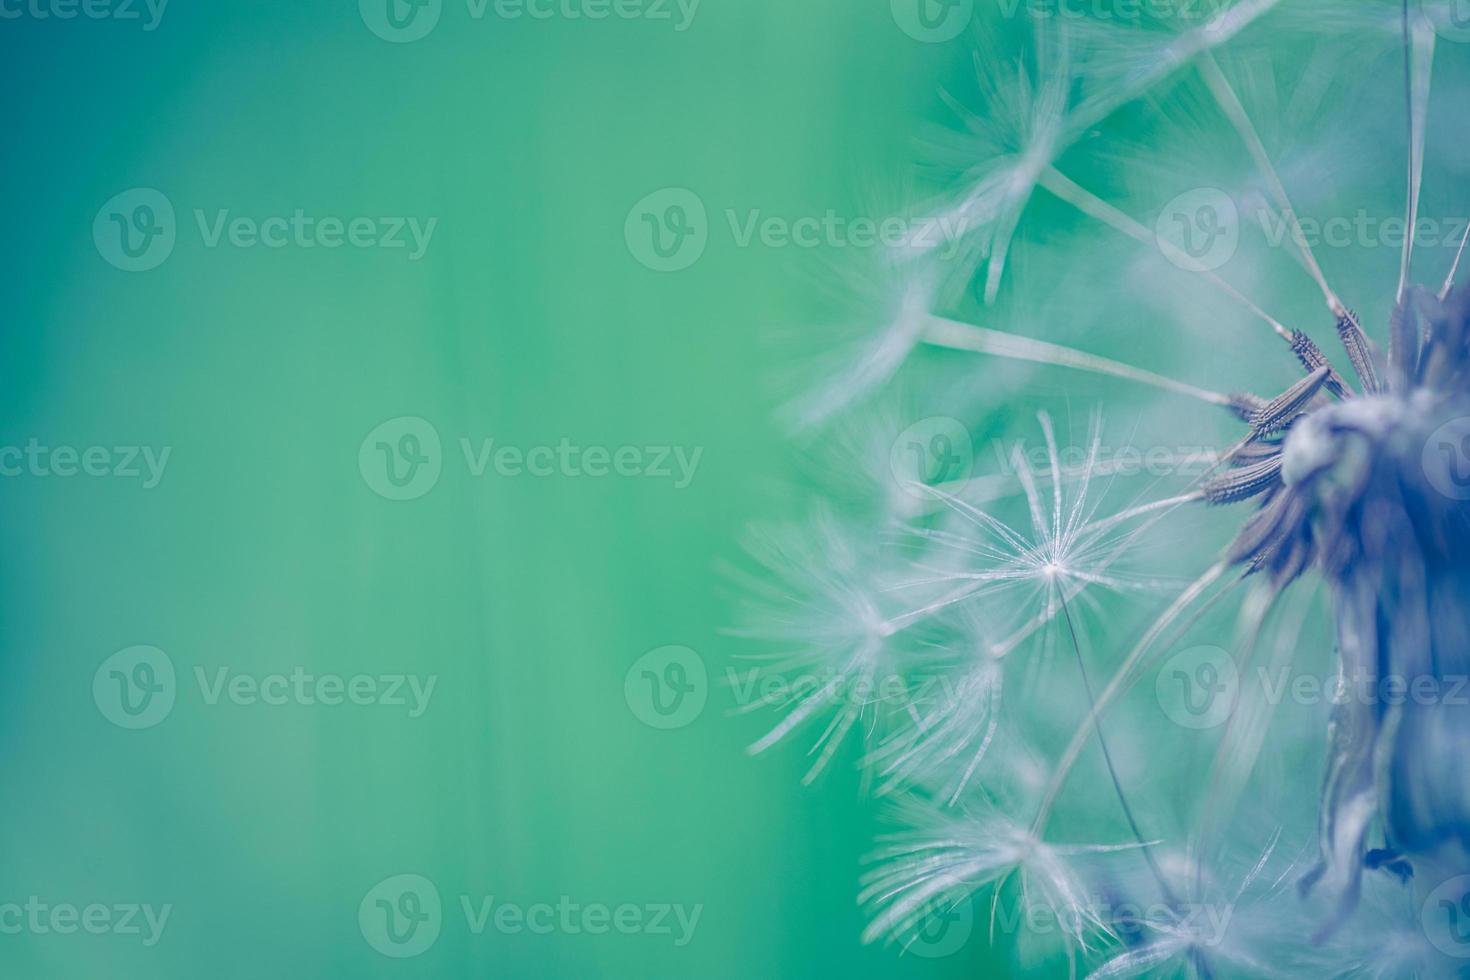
264,547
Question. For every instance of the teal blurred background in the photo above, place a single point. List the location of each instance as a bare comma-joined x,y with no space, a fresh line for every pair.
264,546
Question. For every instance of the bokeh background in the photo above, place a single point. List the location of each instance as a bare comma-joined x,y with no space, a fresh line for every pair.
265,548
547,610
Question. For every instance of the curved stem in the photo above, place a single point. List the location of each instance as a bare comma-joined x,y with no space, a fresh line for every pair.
954,335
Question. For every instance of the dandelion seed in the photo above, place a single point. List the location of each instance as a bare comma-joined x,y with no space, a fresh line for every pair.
952,855
1002,152
884,310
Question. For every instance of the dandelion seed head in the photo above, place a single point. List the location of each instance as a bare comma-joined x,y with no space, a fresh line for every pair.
1013,589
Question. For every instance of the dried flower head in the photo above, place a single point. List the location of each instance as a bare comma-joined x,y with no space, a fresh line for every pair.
1208,851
